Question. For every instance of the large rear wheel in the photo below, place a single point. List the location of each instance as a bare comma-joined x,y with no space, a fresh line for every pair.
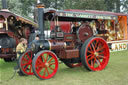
95,54
45,64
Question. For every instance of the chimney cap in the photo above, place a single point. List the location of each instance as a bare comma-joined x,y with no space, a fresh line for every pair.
40,5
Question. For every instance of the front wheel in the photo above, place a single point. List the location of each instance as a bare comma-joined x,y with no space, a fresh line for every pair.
95,54
45,64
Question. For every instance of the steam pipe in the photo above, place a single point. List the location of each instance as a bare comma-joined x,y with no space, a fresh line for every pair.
41,20
4,4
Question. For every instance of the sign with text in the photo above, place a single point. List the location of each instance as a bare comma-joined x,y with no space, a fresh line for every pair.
119,47
85,15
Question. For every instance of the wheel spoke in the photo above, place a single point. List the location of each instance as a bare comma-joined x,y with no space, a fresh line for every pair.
44,72
98,63
50,60
24,64
47,71
46,58
52,63
94,62
43,59
90,48
28,56
93,47
90,58
90,52
96,43
40,65
26,67
25,59
100,49
89,55
98,59
100,56
91,63
51,68
39,61
40,69
100,53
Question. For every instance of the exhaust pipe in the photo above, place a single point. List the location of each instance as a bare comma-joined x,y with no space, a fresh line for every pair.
41,20
4,4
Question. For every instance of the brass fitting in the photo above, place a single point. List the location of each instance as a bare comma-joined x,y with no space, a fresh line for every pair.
40,5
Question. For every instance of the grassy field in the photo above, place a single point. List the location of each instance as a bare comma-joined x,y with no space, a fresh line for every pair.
116,73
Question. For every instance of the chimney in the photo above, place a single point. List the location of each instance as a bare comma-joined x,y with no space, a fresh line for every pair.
4,4
40,8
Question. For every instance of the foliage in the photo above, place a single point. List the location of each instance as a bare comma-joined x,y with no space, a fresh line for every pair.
26,7
124,7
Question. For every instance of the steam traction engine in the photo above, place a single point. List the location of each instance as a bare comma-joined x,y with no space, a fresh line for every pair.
12,28
79,47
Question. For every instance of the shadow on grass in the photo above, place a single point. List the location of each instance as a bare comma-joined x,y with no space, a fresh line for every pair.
63,68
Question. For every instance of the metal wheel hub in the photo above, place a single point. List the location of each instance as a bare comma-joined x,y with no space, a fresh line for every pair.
47,64
96,54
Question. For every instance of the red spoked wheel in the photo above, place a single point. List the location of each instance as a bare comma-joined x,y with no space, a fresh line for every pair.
95,54
73,65
25,63
45,64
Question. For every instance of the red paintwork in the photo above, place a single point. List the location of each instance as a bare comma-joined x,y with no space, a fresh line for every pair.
98,56
48,64
65,26
26,63
11,34
7,14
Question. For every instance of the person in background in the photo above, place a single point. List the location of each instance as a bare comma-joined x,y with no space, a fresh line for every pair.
75,26
36,38
20,49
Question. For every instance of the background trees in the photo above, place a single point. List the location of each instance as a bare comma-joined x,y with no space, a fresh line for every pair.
26,7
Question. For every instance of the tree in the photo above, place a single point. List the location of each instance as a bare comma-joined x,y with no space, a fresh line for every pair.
124,4
85,4
26,7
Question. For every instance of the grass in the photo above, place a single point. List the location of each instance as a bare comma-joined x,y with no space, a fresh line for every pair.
116,73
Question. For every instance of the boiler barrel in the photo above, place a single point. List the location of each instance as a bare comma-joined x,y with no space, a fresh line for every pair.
57,45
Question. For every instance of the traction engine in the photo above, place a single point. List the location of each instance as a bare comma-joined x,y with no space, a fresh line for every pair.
73,49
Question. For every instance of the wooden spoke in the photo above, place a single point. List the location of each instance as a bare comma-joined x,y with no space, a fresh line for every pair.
50,60
47,71
51,68
90,58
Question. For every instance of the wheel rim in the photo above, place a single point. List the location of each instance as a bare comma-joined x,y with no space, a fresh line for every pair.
97,54
46,65
26,63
